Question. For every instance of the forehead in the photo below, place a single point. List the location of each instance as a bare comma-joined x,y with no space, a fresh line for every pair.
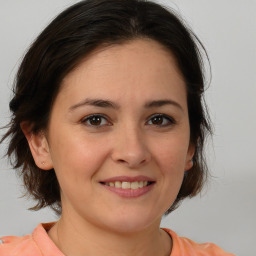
138,69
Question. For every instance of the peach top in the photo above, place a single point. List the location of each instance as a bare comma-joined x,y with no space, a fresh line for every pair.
39,244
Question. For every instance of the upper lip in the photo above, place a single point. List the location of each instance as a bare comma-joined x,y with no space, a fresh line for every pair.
128,179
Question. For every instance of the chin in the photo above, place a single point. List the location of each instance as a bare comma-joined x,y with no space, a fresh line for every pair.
132,224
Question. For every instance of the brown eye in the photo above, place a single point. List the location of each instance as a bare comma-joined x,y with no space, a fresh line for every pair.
95,120
161,120
157,120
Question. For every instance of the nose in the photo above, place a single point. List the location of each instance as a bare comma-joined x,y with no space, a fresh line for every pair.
131,148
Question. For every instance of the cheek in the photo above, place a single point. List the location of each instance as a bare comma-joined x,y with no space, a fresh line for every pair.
171,154
76,158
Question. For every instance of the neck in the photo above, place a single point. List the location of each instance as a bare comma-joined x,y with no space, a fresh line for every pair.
79,238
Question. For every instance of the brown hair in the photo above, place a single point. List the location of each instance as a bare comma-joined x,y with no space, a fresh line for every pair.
71,36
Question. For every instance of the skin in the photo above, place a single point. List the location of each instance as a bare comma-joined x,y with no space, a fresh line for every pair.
126,141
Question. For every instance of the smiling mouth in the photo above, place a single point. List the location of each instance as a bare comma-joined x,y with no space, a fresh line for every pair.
128,185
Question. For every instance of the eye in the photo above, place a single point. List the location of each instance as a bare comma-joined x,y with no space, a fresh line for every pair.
161,120
95,120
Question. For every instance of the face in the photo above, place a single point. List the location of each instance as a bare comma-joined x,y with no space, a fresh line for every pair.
118,136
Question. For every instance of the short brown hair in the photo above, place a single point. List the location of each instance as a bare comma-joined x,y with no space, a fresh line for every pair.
70,37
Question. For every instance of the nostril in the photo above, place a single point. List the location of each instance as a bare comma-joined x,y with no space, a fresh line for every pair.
131,157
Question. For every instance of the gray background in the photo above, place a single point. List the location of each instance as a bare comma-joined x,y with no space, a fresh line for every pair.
225,213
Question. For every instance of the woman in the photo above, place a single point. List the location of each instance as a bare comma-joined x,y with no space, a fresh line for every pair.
108,129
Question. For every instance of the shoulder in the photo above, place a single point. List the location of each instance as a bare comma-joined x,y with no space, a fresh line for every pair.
30,245
183,246
18,246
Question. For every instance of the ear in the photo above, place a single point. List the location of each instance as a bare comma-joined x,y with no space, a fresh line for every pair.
189,158
39,147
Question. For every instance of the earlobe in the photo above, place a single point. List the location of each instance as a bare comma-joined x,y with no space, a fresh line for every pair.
39,147
190,154
189,165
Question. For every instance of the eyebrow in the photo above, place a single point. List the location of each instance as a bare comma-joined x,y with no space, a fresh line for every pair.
161,103
95,102
109,104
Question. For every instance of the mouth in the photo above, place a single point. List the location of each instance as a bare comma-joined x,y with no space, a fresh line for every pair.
128,185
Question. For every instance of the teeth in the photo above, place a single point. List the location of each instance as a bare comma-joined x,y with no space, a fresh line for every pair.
135,185
127,184
141,184
118,184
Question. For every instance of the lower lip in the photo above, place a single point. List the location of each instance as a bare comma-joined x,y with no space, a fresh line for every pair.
130,193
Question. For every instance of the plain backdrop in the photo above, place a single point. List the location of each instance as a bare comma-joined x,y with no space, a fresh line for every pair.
225,213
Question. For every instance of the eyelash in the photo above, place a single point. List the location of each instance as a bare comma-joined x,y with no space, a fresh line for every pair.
90,118
170,121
